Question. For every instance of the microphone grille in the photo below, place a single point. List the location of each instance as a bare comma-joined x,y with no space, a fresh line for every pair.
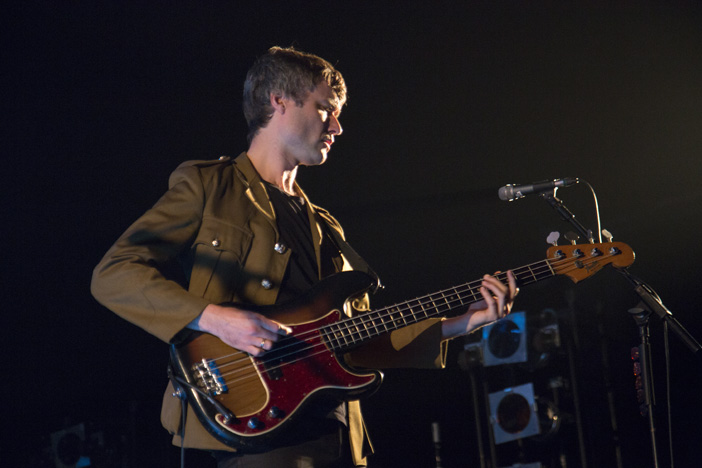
506,193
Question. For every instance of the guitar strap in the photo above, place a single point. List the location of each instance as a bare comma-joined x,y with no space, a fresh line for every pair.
355,260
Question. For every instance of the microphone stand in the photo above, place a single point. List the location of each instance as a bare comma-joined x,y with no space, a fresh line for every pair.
649,297
561,209
641,317
653,305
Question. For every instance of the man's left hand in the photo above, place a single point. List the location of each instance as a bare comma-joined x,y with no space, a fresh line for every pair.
497,302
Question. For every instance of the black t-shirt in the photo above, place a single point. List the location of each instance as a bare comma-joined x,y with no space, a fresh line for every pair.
295,234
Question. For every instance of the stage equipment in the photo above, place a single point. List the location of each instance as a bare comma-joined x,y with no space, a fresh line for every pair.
68,447
505,341
545,338
513,413
436,439
513,192
651,303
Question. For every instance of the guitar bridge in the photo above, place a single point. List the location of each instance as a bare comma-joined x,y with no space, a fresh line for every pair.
208,378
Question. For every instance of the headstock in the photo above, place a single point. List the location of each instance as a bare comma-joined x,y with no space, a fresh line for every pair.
584,260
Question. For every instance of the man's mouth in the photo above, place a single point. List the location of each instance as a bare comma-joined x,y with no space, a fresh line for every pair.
328,140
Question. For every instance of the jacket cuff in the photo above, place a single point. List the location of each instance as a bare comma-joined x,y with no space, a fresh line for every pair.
416,346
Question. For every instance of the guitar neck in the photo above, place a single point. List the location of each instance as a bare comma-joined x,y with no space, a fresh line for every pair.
575,261
356,330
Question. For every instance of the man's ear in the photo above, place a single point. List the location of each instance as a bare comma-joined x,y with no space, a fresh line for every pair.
278,103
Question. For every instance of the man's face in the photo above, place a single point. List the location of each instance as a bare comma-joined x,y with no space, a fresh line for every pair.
310,129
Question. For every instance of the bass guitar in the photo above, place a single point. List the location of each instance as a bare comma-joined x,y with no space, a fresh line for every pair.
246,401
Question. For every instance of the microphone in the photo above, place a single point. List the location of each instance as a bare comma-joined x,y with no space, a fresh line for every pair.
512,192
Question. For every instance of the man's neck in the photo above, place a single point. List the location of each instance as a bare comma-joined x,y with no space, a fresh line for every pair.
272,166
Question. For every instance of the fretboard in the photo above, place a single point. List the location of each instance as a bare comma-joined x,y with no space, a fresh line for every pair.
356,330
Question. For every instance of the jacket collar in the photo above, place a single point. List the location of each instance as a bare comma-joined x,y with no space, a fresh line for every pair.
257,194
255,190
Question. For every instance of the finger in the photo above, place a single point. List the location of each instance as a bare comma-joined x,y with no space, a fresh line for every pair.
276,328
260,346
489,299
499,293
495,286
254,350
512,281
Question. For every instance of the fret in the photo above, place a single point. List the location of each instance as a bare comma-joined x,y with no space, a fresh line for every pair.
456,296
397,319
355,331
379,324
450,300
439,302
365,327
385,324
531,272
433,302
424,311
376,329
340,335
330,338
403,315
548,264
412,311
474,293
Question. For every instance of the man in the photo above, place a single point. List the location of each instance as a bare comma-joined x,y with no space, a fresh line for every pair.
242,231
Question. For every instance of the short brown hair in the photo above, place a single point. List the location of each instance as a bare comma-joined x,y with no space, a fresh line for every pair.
290,73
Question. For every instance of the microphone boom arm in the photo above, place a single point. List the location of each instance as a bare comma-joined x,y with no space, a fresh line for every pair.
566,214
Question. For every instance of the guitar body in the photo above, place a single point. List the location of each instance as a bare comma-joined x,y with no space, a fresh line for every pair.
265,394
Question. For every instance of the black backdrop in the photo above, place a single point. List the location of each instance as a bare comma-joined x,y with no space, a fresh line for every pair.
447,103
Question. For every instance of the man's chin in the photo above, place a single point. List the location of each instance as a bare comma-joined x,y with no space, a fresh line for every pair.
318,159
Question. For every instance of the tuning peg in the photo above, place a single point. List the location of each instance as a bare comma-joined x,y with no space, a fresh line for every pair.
572,237
553,238
608,235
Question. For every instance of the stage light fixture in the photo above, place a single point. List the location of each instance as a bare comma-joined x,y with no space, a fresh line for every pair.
505,341
68,447
513,413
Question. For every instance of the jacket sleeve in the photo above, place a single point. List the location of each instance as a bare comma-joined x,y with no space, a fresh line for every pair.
139,278
417,346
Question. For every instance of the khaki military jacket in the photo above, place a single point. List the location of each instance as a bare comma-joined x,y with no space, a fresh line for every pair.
213,238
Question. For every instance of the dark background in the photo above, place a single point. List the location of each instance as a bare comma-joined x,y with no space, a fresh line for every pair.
448,102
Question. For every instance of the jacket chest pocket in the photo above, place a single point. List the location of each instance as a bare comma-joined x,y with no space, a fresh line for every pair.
219,251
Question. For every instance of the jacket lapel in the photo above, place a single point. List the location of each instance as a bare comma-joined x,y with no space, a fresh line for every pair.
256,192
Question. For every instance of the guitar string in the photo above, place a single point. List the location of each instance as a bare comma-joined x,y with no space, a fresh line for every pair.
383,313
309,353
450,304
544,267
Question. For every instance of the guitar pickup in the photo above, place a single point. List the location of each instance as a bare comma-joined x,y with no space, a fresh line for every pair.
209,378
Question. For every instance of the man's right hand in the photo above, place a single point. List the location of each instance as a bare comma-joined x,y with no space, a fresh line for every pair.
241,329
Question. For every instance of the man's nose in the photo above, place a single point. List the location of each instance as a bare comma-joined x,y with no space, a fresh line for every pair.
334,125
